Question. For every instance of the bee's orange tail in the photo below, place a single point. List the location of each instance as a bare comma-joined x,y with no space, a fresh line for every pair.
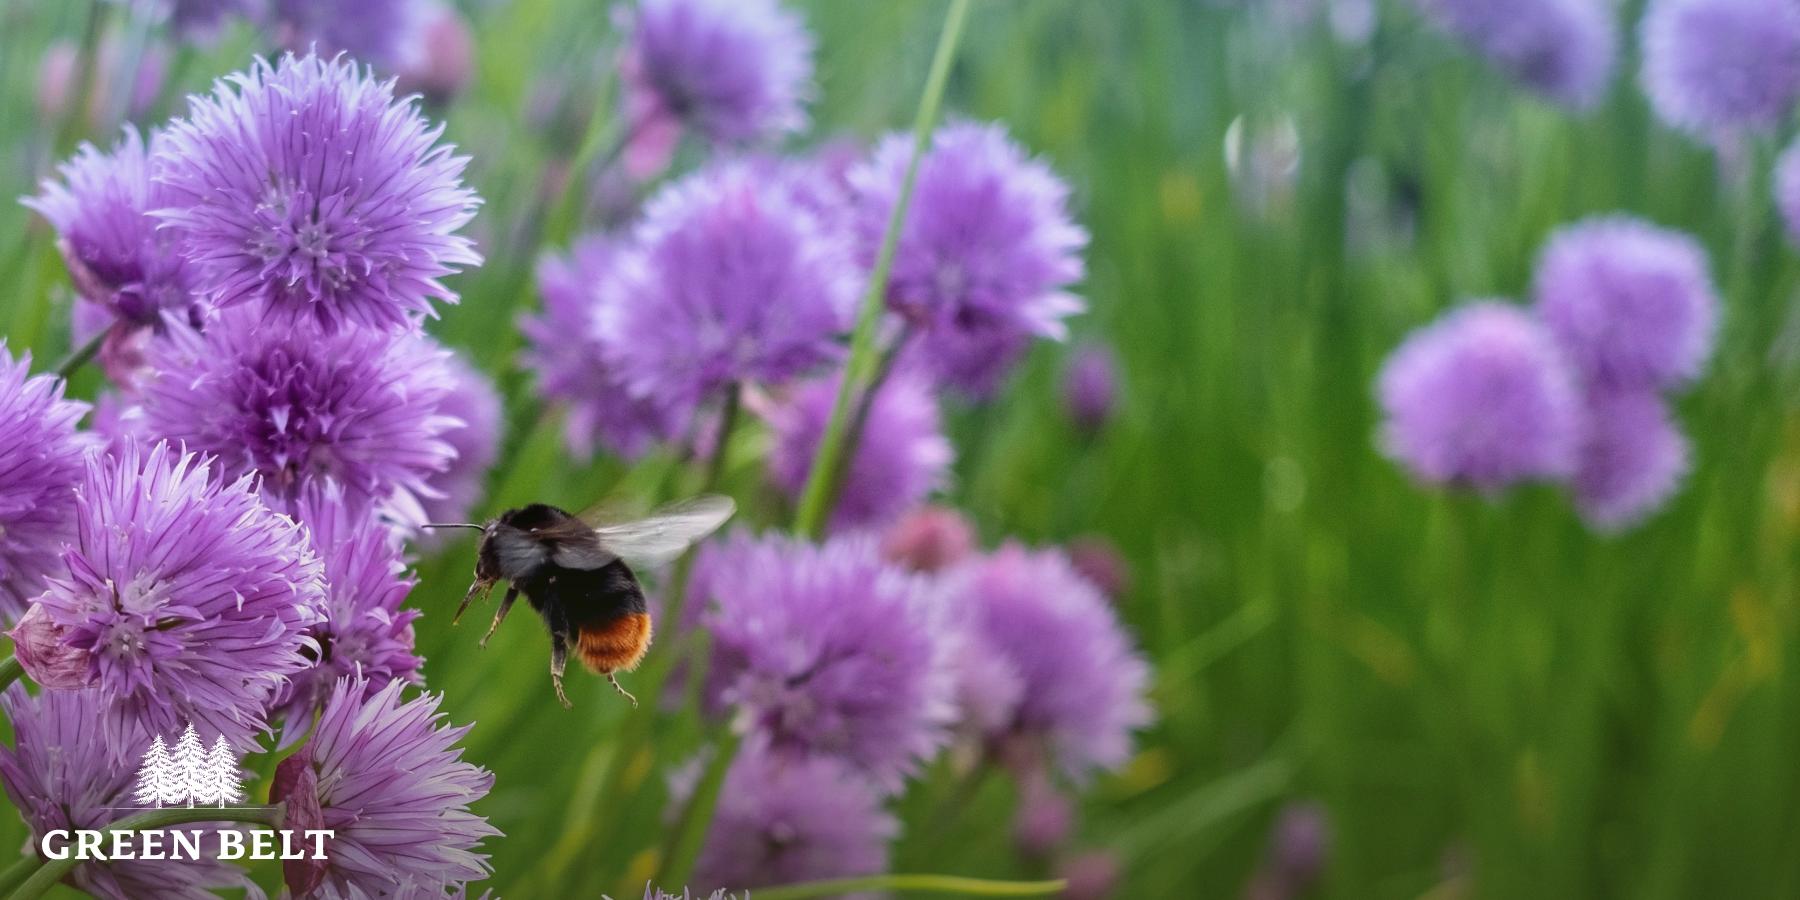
615,646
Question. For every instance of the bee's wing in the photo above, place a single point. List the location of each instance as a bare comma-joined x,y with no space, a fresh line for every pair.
661,536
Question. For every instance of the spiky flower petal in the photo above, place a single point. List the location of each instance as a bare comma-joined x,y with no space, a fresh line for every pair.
40,465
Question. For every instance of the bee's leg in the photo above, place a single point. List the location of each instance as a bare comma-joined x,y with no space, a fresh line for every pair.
621,689
559,660
478,586
506,602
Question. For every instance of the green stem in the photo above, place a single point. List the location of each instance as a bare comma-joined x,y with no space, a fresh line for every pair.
859,420
85,61
10,671
685,838
816,497
715,469
49,872
75,360
16,873
926,884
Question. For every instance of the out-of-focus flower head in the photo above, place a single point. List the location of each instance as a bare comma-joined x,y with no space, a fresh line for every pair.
1081,684
373,32
987,252
1044,817
1101,563
472,401
388,778
1093,875
40,465
824,650
1481,397
1787,189
202,20
727,280
296,407
782,820
63,773
111,97
100,206
305,188
929,539
1091,387
570,364
1563,49
366,634
1299,848
901,458
438,60
1633,457
1630,304
733,70
1722,65
189,596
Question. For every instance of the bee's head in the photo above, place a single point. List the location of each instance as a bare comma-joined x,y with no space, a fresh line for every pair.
530,518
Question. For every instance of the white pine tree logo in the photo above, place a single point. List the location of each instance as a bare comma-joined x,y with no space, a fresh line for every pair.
191,774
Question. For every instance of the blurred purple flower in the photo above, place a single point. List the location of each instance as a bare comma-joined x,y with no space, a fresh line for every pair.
365,633
1563,49
40,465
306,188
438,60
1299,848
824,650
472,401
733,70
1091,387
782,820
728,280
116,256
1093,875
357,407
570,364
930,538
201,20
189,596
1633,458
901,458
372,32
1630,304
1722,65
1482,398
388,778
62,773
987,252
1081,683
110,95
1787,189
1101,563
1044,818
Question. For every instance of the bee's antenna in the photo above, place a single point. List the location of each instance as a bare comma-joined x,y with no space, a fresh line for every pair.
454,525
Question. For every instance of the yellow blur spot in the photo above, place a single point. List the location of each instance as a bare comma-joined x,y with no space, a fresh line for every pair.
640,767
1715,710
1532,791
1181,197
1757,625
643,866
1146,770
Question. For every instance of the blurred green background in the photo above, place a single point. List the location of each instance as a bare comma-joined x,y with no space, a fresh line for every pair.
1487,699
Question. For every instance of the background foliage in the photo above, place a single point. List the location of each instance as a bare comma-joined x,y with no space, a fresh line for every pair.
1486,698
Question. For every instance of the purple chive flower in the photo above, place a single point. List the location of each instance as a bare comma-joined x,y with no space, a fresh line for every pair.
1722,65
1100,562
307,188
1481,397
62,773
1633,457
388,778
40,465
1630,304
365,634
116,255
370,31
824,650
901,458
782,820
1563,49
733,70
1081,684
1091,387
929,539
472,401
728,280
357,407
987,252
1044,817
190,597
570,364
